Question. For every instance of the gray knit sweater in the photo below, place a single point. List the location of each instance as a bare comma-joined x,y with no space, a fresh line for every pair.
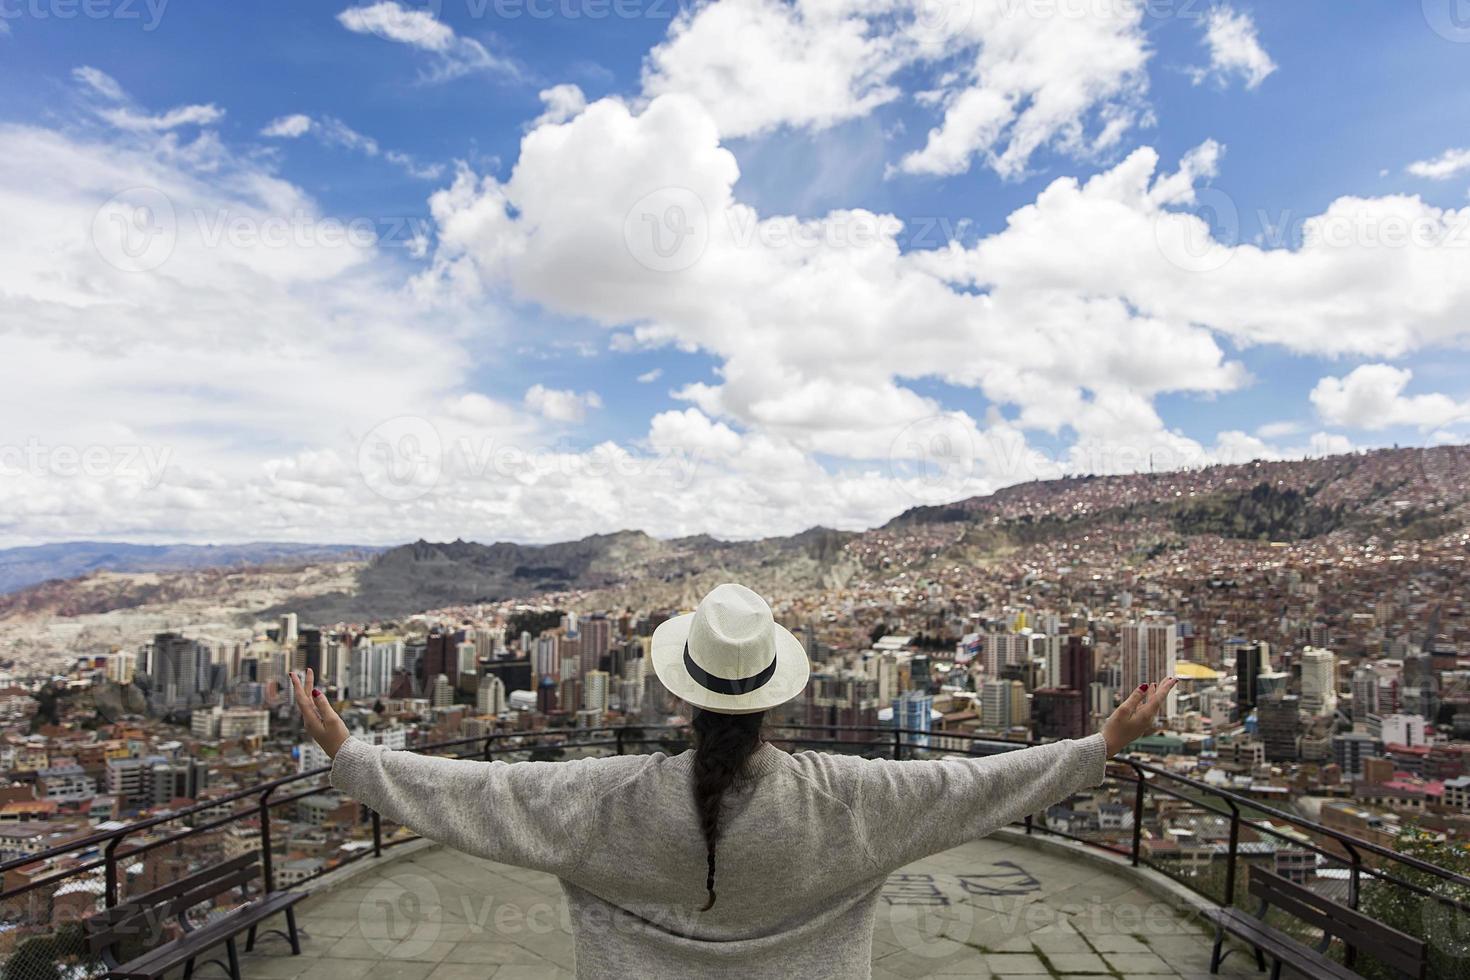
802,858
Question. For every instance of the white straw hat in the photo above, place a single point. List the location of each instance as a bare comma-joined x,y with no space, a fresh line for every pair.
729,655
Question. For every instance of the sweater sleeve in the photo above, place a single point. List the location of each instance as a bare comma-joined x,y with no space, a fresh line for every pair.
521,813
908,810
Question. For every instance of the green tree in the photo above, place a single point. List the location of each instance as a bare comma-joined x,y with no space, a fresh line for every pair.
1443,926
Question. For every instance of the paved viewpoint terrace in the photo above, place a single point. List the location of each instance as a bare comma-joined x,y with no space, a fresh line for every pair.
1000,907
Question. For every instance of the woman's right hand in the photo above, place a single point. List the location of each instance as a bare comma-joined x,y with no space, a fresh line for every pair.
321,721
1137,716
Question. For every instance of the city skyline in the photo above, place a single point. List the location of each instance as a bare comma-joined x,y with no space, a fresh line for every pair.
384,271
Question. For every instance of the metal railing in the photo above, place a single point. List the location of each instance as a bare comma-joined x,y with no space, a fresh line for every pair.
105,849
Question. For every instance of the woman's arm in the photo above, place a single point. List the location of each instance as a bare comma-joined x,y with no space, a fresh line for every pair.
909,810
522,813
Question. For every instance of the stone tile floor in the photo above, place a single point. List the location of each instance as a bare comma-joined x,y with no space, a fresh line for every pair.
995,908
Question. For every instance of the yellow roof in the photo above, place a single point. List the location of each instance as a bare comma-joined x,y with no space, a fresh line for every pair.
1195,672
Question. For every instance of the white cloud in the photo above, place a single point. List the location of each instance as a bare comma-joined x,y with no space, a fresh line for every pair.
561,406
1450,163
453,55
1235,49
185,115
118,110
817,323
649,377
1087,305
1072,80
562,103
287,127
760,64
331,131
100,82
1372,397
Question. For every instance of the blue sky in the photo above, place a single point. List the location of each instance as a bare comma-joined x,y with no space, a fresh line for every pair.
502,326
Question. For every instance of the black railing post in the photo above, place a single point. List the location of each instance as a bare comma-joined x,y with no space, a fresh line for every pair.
1028,825
1350,952
1355,876
897,743
377,834
618,734
1230,855
1137,816
489,741
109,854
267,868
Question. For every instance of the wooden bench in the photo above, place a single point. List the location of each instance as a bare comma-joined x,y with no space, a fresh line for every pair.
1359,934
147,936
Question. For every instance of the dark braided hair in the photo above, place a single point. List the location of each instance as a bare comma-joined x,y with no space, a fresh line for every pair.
723,745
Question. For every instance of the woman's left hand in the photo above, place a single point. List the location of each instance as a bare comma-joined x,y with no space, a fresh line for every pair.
321,721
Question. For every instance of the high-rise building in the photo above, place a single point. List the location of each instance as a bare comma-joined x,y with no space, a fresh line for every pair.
1150,652
441,694
595,695
374,659
596,633
912,711
1352,751
179,668
995,704
1279,725
1402,730
547,656
1319,681
490,696
1059,713
1002,650
1365,693
1069,663
1247,670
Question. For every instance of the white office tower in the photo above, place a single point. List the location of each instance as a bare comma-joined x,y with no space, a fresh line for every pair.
594,697
490,698
466,658
374,659
287,632
995,704
442,695
545,661
120,666
1004,650
525,641
1319,681
1150,652
1402,730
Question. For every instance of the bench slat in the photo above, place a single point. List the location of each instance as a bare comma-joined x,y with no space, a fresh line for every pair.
1278,945
1396,949
164,958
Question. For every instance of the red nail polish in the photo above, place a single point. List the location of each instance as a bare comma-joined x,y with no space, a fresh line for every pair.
1143,687
316,692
